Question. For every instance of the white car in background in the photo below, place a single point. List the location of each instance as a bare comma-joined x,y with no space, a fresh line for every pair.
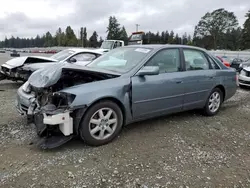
244,75
20,68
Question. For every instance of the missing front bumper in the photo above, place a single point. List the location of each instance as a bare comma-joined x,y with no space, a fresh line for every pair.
53,141
53,130
15,75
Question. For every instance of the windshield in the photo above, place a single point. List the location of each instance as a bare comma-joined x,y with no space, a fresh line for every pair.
62,55
120,59
136,37
107,44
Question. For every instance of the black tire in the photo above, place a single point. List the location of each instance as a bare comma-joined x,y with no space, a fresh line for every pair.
84,130
242,86
206,110
2,77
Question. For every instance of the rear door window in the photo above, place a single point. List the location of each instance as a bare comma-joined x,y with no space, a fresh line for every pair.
195,60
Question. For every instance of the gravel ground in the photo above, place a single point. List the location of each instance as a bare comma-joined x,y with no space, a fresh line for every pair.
181,150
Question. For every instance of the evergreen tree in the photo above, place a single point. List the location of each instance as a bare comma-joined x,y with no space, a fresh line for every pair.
100,41
58,37
184,39
81,36
163,35
93,42
113,29
85,41
166,37
70,37
48,40
176,39
245,42
124,35
189,40
171,37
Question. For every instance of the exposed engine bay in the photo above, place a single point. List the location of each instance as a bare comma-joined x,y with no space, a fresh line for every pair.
68,79
15,74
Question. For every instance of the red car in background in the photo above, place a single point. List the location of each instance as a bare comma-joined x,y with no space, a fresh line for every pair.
224,61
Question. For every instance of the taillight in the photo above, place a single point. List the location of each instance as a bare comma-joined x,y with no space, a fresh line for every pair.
227,64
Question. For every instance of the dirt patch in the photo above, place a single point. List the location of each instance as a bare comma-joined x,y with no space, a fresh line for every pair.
181,150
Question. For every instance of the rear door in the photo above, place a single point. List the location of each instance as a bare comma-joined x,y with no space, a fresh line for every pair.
154,95
200,78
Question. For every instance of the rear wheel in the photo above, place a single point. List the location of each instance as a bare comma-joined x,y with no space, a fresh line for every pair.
214,102
101,123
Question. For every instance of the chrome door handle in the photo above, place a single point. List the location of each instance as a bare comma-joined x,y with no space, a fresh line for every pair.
179,81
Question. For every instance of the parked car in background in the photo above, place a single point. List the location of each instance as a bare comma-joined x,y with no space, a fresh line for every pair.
14,53
224,60
243,64
244,76
95,101
236,63
20,68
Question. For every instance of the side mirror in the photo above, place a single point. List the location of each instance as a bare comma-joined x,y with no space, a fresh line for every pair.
72,60
148,70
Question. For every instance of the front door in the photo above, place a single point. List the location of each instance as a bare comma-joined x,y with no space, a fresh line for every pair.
154,95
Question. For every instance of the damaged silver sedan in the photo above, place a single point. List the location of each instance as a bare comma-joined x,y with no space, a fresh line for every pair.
20,68
125,85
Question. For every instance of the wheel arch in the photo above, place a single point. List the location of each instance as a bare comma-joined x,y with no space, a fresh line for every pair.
81,112
223,90
114,100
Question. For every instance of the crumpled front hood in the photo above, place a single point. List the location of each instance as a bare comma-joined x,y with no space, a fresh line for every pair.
19,61
49,76
16,62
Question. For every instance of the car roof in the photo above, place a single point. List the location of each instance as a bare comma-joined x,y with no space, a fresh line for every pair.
159,46
77,50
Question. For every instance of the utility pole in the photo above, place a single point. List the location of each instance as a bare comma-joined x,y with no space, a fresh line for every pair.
82,39
137,25
78,38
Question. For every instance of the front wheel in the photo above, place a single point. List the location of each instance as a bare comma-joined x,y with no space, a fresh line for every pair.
214,102
101,123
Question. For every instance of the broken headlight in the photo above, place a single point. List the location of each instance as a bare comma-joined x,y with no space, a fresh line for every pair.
63,99
26,87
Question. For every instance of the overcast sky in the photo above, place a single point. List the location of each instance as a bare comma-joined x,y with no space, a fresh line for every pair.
26,18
